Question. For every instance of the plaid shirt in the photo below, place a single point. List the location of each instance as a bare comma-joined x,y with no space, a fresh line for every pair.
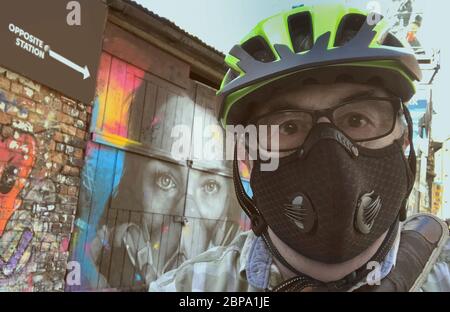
246,266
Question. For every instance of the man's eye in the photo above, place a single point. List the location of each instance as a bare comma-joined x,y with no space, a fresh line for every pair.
356,121
166,182
288,128
211,187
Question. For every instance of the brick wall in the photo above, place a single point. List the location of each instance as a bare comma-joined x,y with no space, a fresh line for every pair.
42,141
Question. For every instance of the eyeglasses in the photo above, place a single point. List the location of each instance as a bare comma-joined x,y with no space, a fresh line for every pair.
361,120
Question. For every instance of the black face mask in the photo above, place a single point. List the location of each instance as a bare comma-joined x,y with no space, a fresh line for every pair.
332,199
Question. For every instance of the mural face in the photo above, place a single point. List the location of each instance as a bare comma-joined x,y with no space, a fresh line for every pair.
143,212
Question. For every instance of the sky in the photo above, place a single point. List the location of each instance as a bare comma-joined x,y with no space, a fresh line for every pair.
223,23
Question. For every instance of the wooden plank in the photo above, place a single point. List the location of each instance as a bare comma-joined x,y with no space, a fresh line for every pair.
111,117
158,124
137,109
135,240
174,235
149,219
102,88
168,246
125,107
105,261
207,109
197,130
169,121
98,187
118,250
156,238
187,108
148,115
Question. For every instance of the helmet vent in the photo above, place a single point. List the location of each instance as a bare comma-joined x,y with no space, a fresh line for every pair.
391,41
348,28
300,29
259,49
230,76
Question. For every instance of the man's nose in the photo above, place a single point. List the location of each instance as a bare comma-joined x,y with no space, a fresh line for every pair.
323,119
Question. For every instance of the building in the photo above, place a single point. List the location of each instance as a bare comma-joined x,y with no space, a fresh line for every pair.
92,196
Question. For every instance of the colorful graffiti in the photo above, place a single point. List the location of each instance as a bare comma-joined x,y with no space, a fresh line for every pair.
41,143
17,157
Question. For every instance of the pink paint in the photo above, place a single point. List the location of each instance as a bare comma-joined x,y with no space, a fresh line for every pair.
245,226
64,246
30,283
87,248
155,121
165,229
123,82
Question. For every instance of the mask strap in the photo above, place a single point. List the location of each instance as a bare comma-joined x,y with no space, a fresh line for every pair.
412,161
412,152
259,225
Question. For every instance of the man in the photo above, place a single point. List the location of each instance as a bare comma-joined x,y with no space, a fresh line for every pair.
330,83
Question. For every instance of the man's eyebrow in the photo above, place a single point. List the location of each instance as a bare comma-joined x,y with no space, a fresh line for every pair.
277,105
267,108
359,95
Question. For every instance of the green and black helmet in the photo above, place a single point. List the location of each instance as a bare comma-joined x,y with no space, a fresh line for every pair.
326,43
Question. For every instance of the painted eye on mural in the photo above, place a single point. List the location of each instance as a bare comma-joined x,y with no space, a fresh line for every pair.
211,187
8,179
165,181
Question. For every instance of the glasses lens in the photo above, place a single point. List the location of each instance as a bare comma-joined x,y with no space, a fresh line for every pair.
365,119
284,130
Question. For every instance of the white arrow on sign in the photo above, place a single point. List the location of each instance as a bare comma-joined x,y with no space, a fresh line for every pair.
62,59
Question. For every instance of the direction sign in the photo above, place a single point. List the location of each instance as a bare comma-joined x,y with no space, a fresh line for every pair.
54,42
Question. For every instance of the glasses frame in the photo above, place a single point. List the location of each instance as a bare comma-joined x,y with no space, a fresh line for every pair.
396,103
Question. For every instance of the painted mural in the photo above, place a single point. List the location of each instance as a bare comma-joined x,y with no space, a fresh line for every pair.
141,211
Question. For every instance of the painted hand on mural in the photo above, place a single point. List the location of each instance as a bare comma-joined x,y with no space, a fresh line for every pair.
211,211
139,250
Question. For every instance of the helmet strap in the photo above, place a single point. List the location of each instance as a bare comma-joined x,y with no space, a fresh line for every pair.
412,161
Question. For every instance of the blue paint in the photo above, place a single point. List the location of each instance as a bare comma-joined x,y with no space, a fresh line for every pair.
100,177
247,187
9,104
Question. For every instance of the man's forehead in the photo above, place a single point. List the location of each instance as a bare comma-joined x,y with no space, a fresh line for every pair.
313,96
